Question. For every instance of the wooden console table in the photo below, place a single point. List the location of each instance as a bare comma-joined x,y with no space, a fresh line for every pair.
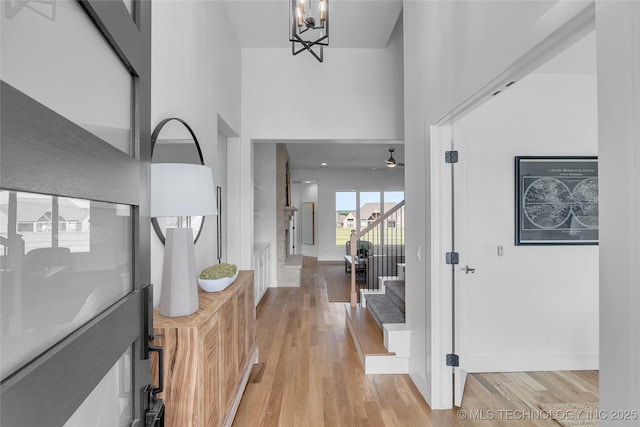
208,356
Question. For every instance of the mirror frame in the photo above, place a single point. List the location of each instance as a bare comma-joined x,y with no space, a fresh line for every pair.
154,138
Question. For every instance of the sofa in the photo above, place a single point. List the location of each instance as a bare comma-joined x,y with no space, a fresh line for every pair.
363,245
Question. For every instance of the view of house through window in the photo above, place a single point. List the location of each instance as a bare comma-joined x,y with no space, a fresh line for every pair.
369,207
76,253
49,221
356,210
345,215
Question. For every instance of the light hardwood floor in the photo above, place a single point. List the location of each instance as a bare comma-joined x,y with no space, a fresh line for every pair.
309,374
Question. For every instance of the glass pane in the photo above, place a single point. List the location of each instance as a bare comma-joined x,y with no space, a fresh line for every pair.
368,213
392,198
345,215
62,261
369,207
394,224
80,78
110,403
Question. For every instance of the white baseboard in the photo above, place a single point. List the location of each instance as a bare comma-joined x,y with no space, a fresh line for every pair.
386,364
529,362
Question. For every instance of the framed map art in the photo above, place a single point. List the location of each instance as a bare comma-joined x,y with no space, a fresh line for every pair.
556,200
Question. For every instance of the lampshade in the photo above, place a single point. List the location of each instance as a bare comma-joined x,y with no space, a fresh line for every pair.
181,189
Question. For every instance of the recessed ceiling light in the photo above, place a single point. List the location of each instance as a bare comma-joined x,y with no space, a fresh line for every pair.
324,165
307,182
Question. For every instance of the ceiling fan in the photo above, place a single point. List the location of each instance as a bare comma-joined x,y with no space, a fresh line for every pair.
391,163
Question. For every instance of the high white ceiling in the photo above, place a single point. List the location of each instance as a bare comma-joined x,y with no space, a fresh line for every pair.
353,23
343,155
356,24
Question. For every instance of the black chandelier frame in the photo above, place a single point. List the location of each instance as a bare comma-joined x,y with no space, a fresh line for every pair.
298,44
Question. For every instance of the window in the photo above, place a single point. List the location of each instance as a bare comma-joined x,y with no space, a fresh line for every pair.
369,207
37,222
345,215
82,271
355,208
394,225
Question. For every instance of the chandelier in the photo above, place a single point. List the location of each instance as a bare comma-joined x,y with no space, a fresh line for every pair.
309,32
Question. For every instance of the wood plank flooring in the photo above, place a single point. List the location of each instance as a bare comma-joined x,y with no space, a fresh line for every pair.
368,333
309,374
338,282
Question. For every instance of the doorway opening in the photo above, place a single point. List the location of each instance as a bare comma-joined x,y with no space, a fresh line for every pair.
516,309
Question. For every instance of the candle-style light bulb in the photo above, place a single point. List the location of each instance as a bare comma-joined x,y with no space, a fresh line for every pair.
301,6
299,14
323,10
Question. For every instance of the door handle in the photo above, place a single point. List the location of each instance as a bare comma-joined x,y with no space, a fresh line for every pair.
468,269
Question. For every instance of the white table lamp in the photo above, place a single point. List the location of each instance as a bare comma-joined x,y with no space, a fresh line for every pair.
180,190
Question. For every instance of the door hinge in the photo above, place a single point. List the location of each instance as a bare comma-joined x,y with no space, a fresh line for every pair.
453,360
452,258
451,156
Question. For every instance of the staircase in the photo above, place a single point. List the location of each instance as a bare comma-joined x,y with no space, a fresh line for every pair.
389,306
380,249
377,324
378,328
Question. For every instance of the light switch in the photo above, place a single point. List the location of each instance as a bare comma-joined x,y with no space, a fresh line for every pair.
500,250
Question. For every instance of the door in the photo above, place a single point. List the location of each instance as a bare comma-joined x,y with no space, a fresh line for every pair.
461,271
448,177
450,270
75,127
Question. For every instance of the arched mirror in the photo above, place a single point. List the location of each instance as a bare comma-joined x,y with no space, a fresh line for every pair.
173,141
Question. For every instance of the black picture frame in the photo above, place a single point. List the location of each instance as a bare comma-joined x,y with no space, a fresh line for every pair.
556,200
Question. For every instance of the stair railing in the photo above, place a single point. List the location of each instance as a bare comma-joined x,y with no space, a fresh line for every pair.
385,246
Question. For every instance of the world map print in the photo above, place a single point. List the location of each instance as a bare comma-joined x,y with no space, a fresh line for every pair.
548,203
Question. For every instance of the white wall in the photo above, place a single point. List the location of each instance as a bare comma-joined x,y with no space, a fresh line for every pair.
463,46
618,38
354,94
196,77
264,193
535,307
330,181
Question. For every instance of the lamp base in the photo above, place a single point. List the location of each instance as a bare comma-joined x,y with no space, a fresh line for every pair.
179,295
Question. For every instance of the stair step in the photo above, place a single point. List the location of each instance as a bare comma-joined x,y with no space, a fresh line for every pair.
384,310
369,342
394,289
368,338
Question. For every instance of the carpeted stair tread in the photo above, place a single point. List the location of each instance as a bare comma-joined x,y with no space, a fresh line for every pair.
384,310
395,291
